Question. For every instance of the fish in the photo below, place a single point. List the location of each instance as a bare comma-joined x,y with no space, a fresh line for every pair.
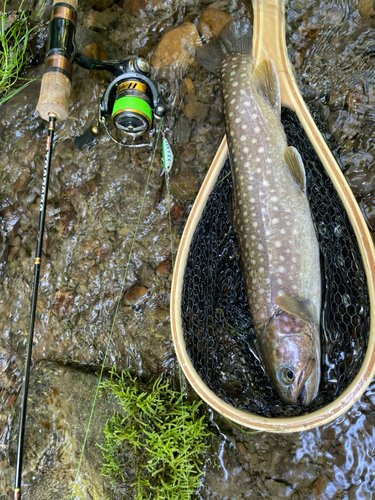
278,246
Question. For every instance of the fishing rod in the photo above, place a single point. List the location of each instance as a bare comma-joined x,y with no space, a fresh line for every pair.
129,106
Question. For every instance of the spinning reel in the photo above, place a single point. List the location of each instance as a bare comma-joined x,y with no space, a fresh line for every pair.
131,101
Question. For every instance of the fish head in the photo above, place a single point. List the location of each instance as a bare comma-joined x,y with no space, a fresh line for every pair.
292,358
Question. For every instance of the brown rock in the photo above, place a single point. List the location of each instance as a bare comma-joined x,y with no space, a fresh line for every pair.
177,212
103,20
184,185
164,267
212,22
196,111
241,448
189,85
134,295
64,301
17,241
22,180
189,153
366,7
134,6
177,47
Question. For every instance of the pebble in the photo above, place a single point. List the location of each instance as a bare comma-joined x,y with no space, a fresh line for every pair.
177,212
64,301
190,87
134,295
164,267
196,111
241,448
184,185
177,47
182,131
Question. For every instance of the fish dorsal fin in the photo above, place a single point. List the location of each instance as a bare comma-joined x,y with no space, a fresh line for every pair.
294,161
303,308
268,84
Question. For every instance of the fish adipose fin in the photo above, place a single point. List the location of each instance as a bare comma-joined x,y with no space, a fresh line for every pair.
294,161
235,38
268,83
303,308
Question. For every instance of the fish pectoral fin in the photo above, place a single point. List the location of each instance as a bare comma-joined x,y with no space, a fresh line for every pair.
295,164
268,84
303,308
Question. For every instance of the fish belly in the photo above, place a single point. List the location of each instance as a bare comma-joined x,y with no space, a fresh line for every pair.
272,219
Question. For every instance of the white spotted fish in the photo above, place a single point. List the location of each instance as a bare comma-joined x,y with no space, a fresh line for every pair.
278,245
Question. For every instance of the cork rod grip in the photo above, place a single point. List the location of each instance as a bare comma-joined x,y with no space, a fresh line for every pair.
56,81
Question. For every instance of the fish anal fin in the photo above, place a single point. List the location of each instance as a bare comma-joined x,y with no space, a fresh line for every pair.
295,164
303,308
268,83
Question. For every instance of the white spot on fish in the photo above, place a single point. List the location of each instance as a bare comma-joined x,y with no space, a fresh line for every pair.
257,160
243,138
247,103
260,150
281,269
232,73
279,281
233,101
277,244
274,198
242,91
231,114
260,246
282,257
268,160
266,183
261,269
255,224
257,306
282,231
247,164
253,141
235,84
245,150
237,120
268,232
257,130
268,281
253,237
252,200
275,220
253,116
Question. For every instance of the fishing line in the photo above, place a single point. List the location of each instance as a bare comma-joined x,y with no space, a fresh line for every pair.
117,308
179,366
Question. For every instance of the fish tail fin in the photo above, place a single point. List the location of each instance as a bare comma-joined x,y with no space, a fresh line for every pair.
235,38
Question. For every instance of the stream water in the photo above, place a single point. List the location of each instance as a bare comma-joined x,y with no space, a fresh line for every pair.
93,204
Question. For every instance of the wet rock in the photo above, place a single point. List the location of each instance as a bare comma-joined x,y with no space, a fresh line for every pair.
133,6
189,154
355,99
60,401
212,22
22,180
182,131
361,179
164,268
105,20
134,295
323,488
184,185
177,47
190,87
64,301
196,111
241,448
368,208
177,213
278,489
366,7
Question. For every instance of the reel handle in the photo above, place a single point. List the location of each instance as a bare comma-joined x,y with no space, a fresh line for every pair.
57,78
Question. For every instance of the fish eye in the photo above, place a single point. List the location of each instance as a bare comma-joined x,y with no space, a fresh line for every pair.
286,375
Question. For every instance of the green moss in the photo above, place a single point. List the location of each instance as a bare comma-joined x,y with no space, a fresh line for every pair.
14,37
155,446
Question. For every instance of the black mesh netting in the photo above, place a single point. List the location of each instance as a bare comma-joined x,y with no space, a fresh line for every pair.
214,298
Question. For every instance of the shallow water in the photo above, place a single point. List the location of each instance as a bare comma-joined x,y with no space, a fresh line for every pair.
93,204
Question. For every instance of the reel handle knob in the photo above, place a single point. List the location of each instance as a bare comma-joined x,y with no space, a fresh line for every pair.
56,82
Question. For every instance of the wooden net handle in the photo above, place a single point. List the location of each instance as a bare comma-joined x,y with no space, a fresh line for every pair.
56,86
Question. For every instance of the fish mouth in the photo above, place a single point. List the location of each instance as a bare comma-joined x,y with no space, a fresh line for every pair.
308,384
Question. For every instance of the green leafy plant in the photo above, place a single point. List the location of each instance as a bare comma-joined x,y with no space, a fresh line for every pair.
155,446
14,37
